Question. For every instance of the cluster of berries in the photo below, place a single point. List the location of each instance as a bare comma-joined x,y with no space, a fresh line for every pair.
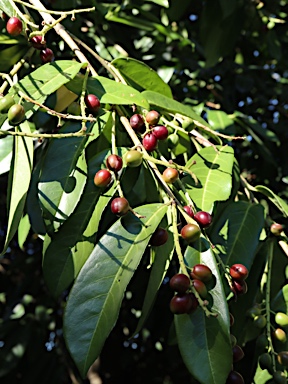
185,301
14,27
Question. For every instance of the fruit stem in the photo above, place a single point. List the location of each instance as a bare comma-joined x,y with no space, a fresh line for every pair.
113,134
22,16
82,98
55,12
119,189
268,272
61,31
46,135
176,240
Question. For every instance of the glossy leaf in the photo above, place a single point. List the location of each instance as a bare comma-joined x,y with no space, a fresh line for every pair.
6,147
95,299
163,3
46,80
236,233
171,105
109,91
219,120
162,256
66,250
140,76
63,177
23,230
213,170
276,200
19,180
208,341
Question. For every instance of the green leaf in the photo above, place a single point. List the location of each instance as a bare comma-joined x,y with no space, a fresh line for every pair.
141,76
236,233
23,230
6,7
66,250
280,302
219,120
262,376
109,91
163,3
162,257
46,80
276,200
19,180
204,342
171,105
63,177
214,172
6,149
11,55
95,299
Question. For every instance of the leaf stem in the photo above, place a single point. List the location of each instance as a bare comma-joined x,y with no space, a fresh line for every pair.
46,135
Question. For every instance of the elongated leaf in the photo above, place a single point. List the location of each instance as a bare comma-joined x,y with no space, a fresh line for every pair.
141,76
279,203
6,147
214,172
95,299
204,342
63,177
46,80
109,91
66,250
162,257
19,180
236,232
219,120
171,105
23,230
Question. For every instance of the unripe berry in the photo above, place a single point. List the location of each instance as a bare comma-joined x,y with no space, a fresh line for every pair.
276,229
159,237
180,283
102,178
6,103
16,114
137,123
204,219
120,206
92,103
133,158
161,132
260,321
114,163
190,232
280,335
150,142
281,319
47,55
282,358
152,117
170,175
14,26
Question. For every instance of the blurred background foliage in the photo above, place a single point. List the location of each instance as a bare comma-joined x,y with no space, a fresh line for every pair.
227,59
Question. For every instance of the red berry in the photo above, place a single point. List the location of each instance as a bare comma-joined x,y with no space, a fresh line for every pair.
238,353
152,117
36,42
161,132
102,178
190,232
204,219
238,272
120,206
170,175
188,210
14,26
235,378
239,287
181,303
200,288
159,237
92,103
149,142
201,272
47,55
180,283
114,163
137,123
276,229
